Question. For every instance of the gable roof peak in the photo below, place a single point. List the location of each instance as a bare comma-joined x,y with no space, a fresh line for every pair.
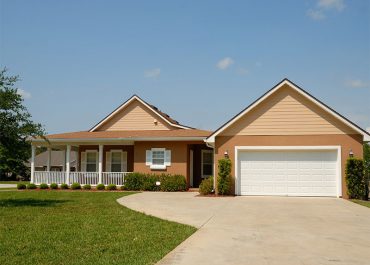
154,109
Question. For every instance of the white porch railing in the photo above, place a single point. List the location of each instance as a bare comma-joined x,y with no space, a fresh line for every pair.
49,177
83,178
117,178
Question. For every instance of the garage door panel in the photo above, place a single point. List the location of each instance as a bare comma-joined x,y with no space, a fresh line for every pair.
295,173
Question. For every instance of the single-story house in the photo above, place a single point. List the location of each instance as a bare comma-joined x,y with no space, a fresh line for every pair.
287,142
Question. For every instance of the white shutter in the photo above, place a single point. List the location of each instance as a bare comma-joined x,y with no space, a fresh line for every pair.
83,161
108,162
167,158
148,158
124,162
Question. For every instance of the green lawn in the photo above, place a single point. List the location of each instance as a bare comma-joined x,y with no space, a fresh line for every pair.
363,203
14,182
61,227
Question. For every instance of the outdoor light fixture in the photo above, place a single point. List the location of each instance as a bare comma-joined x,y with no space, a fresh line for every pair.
158,183
226,154
350,153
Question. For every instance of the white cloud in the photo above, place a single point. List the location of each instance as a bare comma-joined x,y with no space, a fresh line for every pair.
356,83
23,93
152,73
225,63
243,71
331,4
322,6
316,14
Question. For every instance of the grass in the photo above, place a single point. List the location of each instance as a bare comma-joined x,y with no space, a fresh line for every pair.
57,227
14,182
363,203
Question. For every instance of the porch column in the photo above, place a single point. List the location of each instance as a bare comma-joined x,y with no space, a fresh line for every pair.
100,163
49,159
33,151
68,167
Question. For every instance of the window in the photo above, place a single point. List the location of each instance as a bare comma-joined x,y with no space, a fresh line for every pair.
116,159
158,158
207,163
91,161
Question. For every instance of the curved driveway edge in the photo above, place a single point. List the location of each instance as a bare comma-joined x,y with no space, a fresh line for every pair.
182,207
262,230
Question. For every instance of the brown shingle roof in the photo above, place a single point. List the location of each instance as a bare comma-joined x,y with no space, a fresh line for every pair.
131,134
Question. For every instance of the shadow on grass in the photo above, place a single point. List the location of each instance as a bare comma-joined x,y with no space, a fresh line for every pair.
30,202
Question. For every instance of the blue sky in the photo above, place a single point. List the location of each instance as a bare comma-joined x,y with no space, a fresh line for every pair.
199,61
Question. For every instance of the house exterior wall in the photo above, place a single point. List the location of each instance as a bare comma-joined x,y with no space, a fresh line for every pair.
347,142
286,112
135,116
126,148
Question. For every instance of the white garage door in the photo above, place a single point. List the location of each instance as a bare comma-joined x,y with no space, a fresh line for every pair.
284,172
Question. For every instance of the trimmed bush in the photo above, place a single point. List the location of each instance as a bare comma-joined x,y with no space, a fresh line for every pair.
367,167
224,177
111,187
134,181
355,179
122,187
206,186
31,186
173,182
100,187
21,186
149,183
43,186
53,186
75,186
64,186
87,187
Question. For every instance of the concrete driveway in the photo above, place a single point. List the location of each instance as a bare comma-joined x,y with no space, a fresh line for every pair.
262,230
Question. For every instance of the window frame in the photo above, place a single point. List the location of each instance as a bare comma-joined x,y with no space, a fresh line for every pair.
158,166
205,151
96,160
120,160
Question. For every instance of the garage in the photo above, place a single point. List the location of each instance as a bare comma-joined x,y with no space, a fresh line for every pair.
302,171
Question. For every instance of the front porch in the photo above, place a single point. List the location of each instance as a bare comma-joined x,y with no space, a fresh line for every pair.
95,164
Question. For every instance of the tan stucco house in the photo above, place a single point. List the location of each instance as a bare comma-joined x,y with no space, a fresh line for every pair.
285,143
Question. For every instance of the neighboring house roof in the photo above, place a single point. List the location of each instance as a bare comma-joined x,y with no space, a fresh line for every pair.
366,135
164,135
152,108
57,159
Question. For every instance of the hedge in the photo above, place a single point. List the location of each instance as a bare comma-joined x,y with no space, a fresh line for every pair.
224,177
148,182
356,180
206,186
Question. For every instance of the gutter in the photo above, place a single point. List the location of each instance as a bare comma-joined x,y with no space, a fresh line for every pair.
75,140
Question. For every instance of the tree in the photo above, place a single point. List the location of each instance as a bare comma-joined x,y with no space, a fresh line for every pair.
16,127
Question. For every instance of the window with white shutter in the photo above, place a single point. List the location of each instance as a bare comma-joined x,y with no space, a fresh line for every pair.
158,158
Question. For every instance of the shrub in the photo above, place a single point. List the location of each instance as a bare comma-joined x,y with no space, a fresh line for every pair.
173,182
53,186
75,186
100,187
150,182
206,186
122,187
44,186
367,167
31,186
21,186
224,177
355,179
64,186
111,187
134,181
87,187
